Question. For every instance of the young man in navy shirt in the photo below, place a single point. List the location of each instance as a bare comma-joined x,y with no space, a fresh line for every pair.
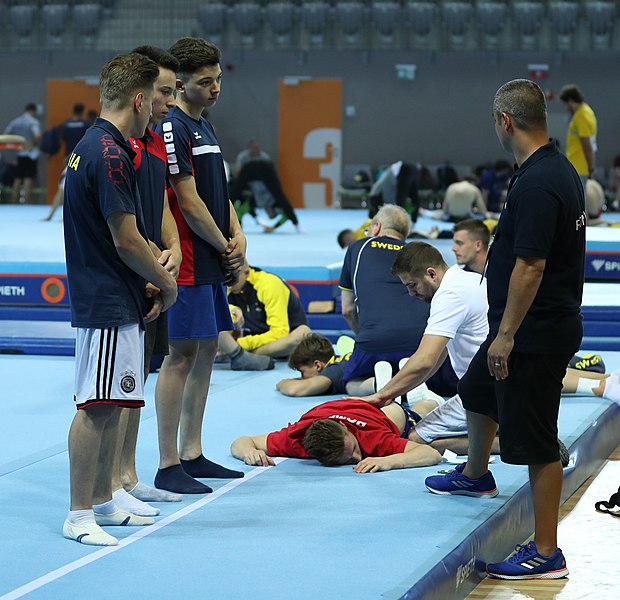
535,274
109,263
150,165
213,248
74,128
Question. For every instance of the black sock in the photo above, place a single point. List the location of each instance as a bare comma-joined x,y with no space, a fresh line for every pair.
203,467
175,479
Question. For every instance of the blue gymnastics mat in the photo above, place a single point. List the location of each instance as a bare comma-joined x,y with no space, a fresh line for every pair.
33,279
297,530
32,270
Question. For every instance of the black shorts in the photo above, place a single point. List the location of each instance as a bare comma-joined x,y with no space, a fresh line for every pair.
156,338
525,405
26,168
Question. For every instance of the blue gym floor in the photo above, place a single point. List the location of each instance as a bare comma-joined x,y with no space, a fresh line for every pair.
297,530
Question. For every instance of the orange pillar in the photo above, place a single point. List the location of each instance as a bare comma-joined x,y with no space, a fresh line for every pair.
310,140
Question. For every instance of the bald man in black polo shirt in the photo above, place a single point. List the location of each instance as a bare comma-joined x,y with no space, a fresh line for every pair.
535,277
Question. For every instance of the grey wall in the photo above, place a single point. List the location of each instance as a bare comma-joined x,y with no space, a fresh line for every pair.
443,114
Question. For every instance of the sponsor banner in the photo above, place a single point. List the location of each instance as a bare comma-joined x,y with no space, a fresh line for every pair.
33,290
603,265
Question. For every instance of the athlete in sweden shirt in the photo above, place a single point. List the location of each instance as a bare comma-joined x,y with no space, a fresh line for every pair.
389,319
192,148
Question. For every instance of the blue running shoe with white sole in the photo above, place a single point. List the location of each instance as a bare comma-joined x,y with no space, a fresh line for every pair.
456,484
527,563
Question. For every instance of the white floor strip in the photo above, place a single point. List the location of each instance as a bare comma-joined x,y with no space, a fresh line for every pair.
142,532
589,540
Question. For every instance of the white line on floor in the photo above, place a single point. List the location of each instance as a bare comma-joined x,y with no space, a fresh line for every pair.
134,537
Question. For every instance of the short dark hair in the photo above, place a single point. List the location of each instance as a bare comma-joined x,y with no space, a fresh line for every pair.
30,107
125,75
342,235
571,92
312,347
162,57
476,229
324,441
524,101
78,109
194,54
501,164
414,258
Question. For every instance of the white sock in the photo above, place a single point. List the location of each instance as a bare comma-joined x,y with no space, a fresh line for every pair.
584,386
107,508
418,393
127,502
146,493
81,517
383,374
612,388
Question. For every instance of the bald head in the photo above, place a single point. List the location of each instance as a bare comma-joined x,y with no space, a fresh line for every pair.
394,218
525,102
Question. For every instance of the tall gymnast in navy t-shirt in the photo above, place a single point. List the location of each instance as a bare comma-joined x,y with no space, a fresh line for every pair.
213,248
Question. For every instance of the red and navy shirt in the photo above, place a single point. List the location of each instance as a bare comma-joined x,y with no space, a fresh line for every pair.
150,165
192,148
377,434
100,181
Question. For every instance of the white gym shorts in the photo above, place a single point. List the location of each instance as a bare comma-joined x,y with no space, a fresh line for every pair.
109,366
447,420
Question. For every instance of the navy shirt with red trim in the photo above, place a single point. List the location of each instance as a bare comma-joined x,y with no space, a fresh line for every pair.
544,217
193,149
100,181
150,165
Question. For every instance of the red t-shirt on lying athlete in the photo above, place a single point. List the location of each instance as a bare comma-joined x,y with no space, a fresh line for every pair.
376,433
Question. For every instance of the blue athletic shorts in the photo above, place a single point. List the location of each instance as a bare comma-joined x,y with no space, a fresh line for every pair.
411,419
361,364
200,313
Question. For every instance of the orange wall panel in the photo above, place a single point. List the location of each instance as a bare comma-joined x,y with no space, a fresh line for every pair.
310,140
62,94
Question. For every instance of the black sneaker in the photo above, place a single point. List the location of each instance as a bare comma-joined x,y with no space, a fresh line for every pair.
611,507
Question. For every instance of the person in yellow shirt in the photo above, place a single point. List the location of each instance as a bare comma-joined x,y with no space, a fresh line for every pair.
581,138
273,320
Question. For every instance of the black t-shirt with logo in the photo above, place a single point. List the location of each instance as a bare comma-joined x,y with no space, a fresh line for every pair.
544,217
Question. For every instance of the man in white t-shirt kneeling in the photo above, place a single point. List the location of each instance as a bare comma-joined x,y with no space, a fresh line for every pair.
456,327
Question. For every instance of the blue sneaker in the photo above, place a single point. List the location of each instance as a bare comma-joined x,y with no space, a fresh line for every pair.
456,484
527,563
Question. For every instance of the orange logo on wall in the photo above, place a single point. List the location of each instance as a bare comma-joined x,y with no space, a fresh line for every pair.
53,290
310,140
